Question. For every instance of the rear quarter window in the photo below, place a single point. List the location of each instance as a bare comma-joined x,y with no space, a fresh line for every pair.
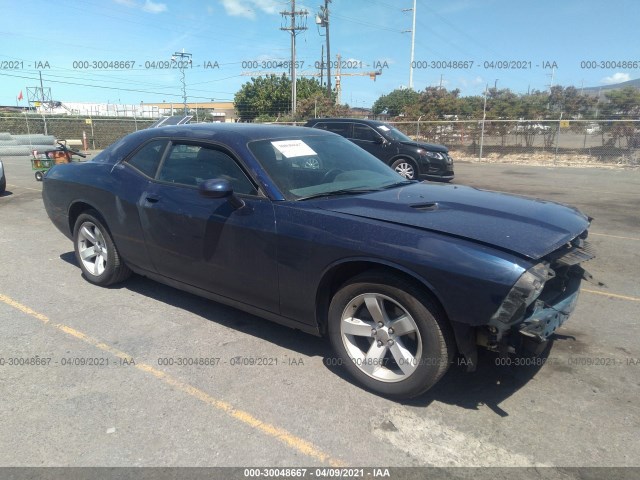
341,128
147,159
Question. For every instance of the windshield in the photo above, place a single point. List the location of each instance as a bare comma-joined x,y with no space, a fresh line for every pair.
394,133
313,166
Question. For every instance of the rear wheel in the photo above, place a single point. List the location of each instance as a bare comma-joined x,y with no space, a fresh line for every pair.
96,253
39,176
389,335
406,168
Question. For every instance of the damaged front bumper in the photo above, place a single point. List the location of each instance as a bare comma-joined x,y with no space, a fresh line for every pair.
545,319
539,303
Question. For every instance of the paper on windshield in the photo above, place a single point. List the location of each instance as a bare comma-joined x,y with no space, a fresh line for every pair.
384,128
293,148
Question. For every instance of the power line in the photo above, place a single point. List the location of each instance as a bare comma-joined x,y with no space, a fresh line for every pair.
367,24
104,87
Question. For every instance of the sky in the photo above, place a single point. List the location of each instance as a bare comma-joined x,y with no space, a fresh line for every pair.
463,44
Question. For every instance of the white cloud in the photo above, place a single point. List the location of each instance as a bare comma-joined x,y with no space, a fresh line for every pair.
247,8
618,77
148,6
269,6
465,82
153,7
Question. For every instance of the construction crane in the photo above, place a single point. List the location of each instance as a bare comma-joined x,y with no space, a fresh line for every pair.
310,73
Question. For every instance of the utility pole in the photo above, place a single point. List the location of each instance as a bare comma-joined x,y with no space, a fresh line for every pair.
322,20
551,75
484,118
553,71
322,66
42,102
338,80
413,41
180,58
294,29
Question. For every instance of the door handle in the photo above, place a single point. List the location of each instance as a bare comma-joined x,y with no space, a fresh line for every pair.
152,199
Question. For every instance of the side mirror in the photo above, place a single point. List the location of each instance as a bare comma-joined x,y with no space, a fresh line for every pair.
220,188
380,140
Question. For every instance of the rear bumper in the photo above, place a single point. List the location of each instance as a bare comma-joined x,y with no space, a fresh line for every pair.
58,216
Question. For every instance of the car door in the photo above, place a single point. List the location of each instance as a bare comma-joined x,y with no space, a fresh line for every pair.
367,138
206,242
129,180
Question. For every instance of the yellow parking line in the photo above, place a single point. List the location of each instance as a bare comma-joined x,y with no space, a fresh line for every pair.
296,443
614,236
613,295
23,309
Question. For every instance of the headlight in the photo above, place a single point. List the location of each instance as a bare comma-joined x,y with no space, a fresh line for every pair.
525,291
426,153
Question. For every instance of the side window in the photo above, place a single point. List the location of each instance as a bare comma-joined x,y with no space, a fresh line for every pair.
193,164
363,132
148,157
340,128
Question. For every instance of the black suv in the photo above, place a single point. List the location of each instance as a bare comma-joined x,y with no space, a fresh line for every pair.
410,159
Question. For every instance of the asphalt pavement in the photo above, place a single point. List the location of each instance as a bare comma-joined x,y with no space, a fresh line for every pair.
141,374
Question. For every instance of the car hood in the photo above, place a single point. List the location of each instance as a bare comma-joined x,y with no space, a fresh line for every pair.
432,147
525,226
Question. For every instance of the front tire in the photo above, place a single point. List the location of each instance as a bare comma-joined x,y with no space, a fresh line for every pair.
406,168
95,251
389,334
39,176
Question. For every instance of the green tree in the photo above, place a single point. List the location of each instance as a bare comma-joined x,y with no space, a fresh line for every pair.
396,102
437,103
622,104
269,97
570,102
319,105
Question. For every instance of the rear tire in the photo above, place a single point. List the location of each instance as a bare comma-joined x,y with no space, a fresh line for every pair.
39,176
95,251
389,335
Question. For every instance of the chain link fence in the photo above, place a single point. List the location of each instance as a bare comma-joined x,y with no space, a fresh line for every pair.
99,132
509,141
557,142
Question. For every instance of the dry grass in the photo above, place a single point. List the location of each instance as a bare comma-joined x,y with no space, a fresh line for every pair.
548,160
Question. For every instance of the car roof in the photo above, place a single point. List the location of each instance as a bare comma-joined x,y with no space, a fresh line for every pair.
233,135
228,132
374,123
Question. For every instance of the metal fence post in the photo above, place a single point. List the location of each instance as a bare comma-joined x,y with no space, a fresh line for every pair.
555,159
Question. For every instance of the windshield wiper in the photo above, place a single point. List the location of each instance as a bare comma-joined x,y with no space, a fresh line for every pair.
398,184
335,193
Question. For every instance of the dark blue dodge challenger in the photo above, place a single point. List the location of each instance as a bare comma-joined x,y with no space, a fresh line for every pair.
304,228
